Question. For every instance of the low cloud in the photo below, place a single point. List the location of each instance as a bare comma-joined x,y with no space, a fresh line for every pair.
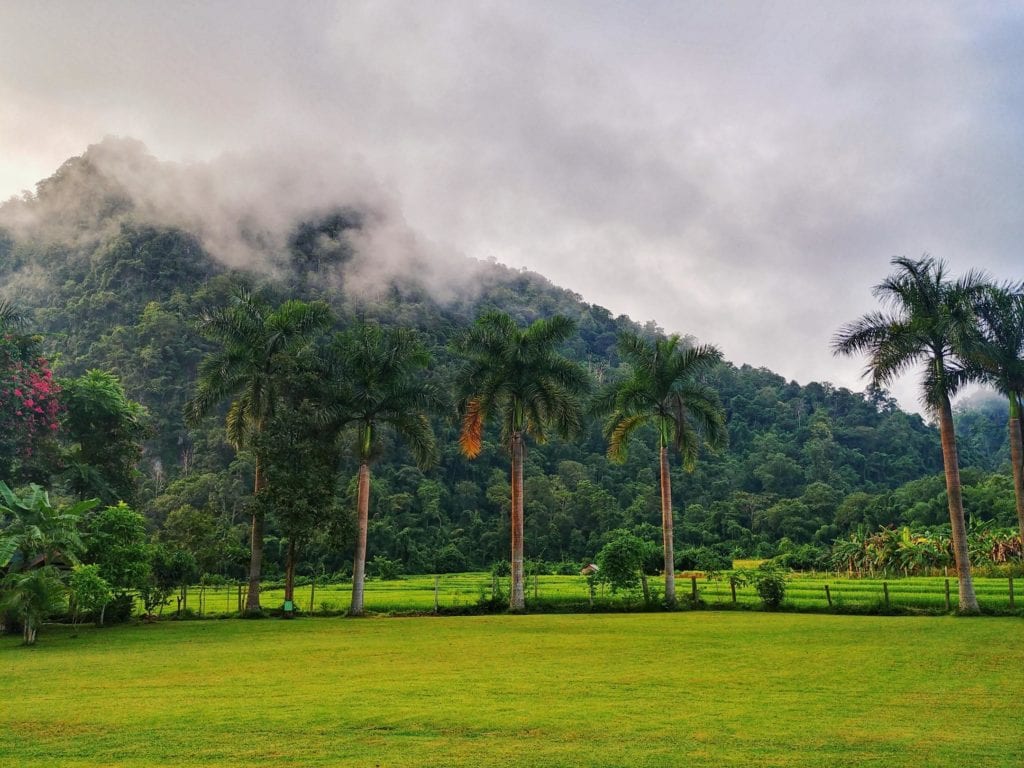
740,172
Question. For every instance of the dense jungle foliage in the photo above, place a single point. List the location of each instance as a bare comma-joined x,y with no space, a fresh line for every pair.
107,292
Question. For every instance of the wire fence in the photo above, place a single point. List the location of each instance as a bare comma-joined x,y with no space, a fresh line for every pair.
468,592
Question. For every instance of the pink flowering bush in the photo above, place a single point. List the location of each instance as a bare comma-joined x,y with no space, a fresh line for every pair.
29,399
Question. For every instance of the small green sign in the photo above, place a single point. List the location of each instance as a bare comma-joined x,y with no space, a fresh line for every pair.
289,605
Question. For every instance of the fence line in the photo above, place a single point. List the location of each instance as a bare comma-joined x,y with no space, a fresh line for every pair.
446,592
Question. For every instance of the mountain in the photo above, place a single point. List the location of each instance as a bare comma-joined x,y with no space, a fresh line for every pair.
115,255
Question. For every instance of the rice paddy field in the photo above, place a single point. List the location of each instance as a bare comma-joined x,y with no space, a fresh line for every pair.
694,688
461,592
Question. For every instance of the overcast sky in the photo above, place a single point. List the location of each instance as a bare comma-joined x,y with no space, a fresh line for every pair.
739,171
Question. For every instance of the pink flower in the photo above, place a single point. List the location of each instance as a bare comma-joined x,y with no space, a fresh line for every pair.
17,393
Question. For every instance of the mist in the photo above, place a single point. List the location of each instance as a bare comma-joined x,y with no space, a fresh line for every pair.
743,173
243,208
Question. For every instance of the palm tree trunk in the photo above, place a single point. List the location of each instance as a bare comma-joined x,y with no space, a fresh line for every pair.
359,564
289,579
1017,460
968,601
517,600
252,600
666,529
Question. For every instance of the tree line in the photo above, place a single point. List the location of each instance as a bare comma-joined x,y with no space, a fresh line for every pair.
297,396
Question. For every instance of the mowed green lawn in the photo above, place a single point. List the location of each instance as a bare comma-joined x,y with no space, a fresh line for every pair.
684,689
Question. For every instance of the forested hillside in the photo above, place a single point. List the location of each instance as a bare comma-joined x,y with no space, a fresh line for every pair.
111,287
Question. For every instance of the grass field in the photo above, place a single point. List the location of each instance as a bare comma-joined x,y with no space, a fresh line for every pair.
685,689
464,590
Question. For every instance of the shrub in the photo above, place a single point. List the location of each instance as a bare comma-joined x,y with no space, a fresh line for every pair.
384,568
119,610
702,559
804,557
770,582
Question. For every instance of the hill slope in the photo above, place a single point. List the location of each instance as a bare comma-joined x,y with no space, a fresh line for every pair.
114,281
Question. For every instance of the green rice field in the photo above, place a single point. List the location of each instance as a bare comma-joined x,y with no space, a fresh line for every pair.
696,688
456,592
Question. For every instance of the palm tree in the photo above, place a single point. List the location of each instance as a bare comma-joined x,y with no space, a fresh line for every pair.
11,318
518,376
663,389
380,386
258,346
928,320
30,597
995,355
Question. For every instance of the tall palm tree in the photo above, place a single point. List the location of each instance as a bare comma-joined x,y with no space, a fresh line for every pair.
380,386
664,389
258,347
518,376
928,320
995,354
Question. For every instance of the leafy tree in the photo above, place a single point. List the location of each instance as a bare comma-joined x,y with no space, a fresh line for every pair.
381,387
301,469
664,388
621,561
106,430
519,377
769,580
929,319
995,354
172,568
258,346
118,544
90,592
30,597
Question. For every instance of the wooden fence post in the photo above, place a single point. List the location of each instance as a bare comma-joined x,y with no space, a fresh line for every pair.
828,596
693,588
732,586
312,593
885,589
1011,593
949,605
436,580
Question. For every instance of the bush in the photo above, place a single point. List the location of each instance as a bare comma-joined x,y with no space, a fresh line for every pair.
805,557
537,568
501,568
119,610
384,568
770,582
702,559
449,559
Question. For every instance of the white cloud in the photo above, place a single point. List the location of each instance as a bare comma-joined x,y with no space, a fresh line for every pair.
742,172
